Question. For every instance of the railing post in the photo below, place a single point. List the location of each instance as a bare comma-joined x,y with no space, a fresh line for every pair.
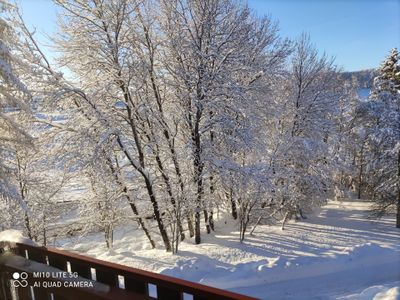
6,290
5,286
168,294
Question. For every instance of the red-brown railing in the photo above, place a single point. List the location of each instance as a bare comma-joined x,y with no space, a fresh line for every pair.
110,281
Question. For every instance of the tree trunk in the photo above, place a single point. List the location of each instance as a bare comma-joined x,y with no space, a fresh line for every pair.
157,215
44,237
398,212
211,220
28,226
233,204
190,225
179,175
197,238
206,219
255,225
169,191
44,232
147,233
130,201
108,234
150,192
141,222
361,171
243,228
285,219
398,191
198,167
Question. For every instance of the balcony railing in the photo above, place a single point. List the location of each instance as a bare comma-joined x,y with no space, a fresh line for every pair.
40,273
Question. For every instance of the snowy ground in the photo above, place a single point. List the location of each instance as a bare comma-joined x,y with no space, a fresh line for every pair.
337,254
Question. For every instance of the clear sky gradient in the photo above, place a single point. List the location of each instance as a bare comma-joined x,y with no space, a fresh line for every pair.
358,33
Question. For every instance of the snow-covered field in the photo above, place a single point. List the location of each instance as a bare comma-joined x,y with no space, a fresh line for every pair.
335,254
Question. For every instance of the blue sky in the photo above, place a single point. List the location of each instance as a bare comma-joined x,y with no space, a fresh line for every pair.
358,33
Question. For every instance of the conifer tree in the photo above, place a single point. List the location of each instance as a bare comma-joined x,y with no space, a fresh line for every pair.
385,137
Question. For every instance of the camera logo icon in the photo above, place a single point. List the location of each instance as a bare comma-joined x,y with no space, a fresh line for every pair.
20,279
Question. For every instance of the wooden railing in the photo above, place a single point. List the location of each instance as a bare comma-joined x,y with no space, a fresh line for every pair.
96,279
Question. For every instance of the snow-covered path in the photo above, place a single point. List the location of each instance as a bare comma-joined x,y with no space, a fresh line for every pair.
337,253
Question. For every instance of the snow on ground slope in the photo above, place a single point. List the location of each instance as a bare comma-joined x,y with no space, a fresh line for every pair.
14,236
337,254
378,292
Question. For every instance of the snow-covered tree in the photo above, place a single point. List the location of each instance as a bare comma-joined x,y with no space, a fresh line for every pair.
38,184
301,129
104,207
14,97
219,53
384,139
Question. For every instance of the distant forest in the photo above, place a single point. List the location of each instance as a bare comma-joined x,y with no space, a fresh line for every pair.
361,79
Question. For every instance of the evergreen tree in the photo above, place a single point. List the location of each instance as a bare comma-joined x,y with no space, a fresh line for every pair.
385,137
